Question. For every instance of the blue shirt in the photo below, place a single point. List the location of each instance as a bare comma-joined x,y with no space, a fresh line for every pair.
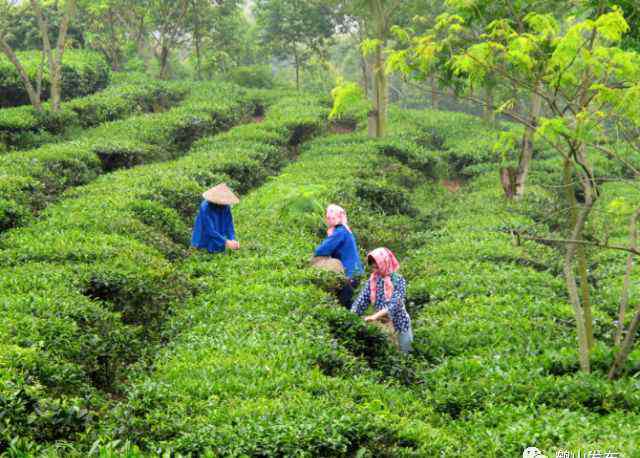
395,305
213,227
342,245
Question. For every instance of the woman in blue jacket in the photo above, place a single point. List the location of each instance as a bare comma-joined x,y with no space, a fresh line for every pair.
213,229
341,244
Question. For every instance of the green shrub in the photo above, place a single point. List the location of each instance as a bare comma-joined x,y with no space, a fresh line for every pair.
118,144
83,73
254,76
24,127
105,250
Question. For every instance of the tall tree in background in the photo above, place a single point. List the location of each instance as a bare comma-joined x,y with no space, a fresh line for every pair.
218,34
295,29
372,20
104,29
52,54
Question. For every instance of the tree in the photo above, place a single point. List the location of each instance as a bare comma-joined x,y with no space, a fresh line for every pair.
372,22
217,30
104,29
585,82
52,55
295,29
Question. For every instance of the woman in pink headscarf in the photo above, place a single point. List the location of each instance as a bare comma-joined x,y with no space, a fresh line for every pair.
340,243
386,291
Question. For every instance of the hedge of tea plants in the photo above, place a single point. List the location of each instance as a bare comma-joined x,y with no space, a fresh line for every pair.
86,287
31,179
261,367
260,364
24,127
83,73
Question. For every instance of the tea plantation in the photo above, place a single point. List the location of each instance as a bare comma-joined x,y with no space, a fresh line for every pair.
118,339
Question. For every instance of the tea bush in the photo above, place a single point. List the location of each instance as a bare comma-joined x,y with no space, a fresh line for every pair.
49,170
83,73
105,249
259,365
24,127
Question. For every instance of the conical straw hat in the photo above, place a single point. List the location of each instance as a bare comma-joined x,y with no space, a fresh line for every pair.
221,194
327,263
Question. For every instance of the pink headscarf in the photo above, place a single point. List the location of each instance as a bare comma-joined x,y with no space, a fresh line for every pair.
336,215
387,264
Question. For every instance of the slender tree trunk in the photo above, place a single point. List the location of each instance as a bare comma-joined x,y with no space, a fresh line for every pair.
365,75
164,62
34,95
380,94
627,345
624,296
296,62
488,112
378,116
580,255
435,102
113,48
197,37
54,59
577,228
526,153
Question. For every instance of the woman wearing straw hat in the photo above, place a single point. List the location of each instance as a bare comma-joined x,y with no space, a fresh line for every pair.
386,290
213,229
340,243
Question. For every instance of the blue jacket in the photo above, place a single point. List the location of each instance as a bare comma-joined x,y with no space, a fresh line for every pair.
342,245
213,227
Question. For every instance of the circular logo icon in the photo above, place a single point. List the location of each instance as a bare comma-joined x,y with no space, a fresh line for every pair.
532,452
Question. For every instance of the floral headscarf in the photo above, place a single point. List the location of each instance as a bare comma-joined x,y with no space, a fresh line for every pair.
387,264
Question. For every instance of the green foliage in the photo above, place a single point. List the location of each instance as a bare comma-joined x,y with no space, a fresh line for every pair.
83,73
253,76
125,143
106,249
24,127
347,97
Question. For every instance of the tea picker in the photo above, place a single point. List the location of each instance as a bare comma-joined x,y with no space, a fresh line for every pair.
213,229
340,244
386,291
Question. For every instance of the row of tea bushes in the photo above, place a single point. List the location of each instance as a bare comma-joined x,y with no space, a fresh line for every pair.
85,288
496,344
256,368
83,73
31,179
24,127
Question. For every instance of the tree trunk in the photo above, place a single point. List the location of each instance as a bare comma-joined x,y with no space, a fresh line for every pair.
365,75
379,94
527,146
297,65
197,38
380,90
164,62
488,113
54,59
34,95
627,345
435,102
624,296
577,228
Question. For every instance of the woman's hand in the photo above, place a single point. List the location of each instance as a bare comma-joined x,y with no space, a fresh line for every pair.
376,316
232,244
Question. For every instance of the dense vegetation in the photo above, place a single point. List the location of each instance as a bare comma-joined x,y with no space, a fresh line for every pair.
516,226
83,73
